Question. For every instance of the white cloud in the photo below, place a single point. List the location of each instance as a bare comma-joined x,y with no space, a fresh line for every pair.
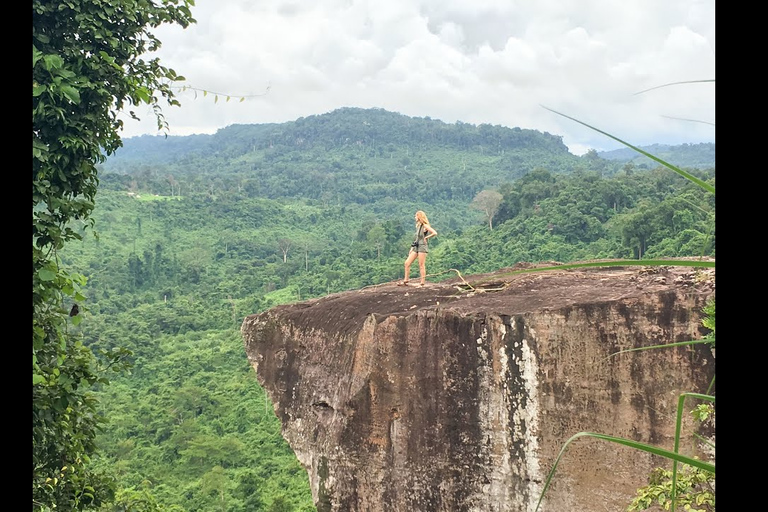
486,61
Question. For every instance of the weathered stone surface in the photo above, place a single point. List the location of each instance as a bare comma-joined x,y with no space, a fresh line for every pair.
441,399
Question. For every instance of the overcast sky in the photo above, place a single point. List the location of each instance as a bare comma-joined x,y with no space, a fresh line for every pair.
499,62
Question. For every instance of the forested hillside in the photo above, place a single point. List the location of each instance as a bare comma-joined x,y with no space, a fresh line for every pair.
195,233
390,163
350,156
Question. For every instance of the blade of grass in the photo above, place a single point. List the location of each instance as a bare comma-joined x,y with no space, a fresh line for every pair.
703,184
679,83
676,344
705,441
623,263
678,433
626,442
611,263
674,83
689,120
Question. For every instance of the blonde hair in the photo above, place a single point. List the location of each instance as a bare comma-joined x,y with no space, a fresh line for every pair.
422,217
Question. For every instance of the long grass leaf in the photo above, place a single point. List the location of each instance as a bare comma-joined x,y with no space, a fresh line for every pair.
666,345
674,83
704,440
605,263
626,442
703,184
694,205
678,434
619,263
622,263
690,120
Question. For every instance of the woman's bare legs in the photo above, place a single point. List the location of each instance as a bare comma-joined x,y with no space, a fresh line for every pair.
423,266
408,261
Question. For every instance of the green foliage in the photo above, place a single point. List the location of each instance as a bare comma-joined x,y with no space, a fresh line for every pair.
702,412
694,492
86,67
193,420
139,499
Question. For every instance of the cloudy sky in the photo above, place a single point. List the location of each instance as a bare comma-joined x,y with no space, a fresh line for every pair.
642,70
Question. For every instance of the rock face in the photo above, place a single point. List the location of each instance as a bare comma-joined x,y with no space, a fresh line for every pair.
459,396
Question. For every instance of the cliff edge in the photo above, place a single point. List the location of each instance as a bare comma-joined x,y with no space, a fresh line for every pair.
458,396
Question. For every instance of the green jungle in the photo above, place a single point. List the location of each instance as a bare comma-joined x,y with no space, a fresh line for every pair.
192,234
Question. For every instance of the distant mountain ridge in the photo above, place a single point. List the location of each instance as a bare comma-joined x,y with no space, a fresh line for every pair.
348,126
361,156
378,126
701,156
381,128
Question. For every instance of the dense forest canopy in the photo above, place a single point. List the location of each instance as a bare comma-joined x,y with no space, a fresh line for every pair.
389,162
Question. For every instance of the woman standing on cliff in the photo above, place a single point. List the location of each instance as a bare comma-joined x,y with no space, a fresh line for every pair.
419,248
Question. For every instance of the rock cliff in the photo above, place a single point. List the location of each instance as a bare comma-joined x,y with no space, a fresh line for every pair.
458,396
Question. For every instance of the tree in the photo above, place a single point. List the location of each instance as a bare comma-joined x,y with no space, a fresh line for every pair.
487,201
510,204
249,490
280,504
86,68
215,481
140,500
376,237
285,245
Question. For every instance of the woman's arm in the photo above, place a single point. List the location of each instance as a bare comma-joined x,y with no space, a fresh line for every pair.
430,232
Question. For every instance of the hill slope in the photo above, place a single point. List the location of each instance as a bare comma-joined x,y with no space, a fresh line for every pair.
388,162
